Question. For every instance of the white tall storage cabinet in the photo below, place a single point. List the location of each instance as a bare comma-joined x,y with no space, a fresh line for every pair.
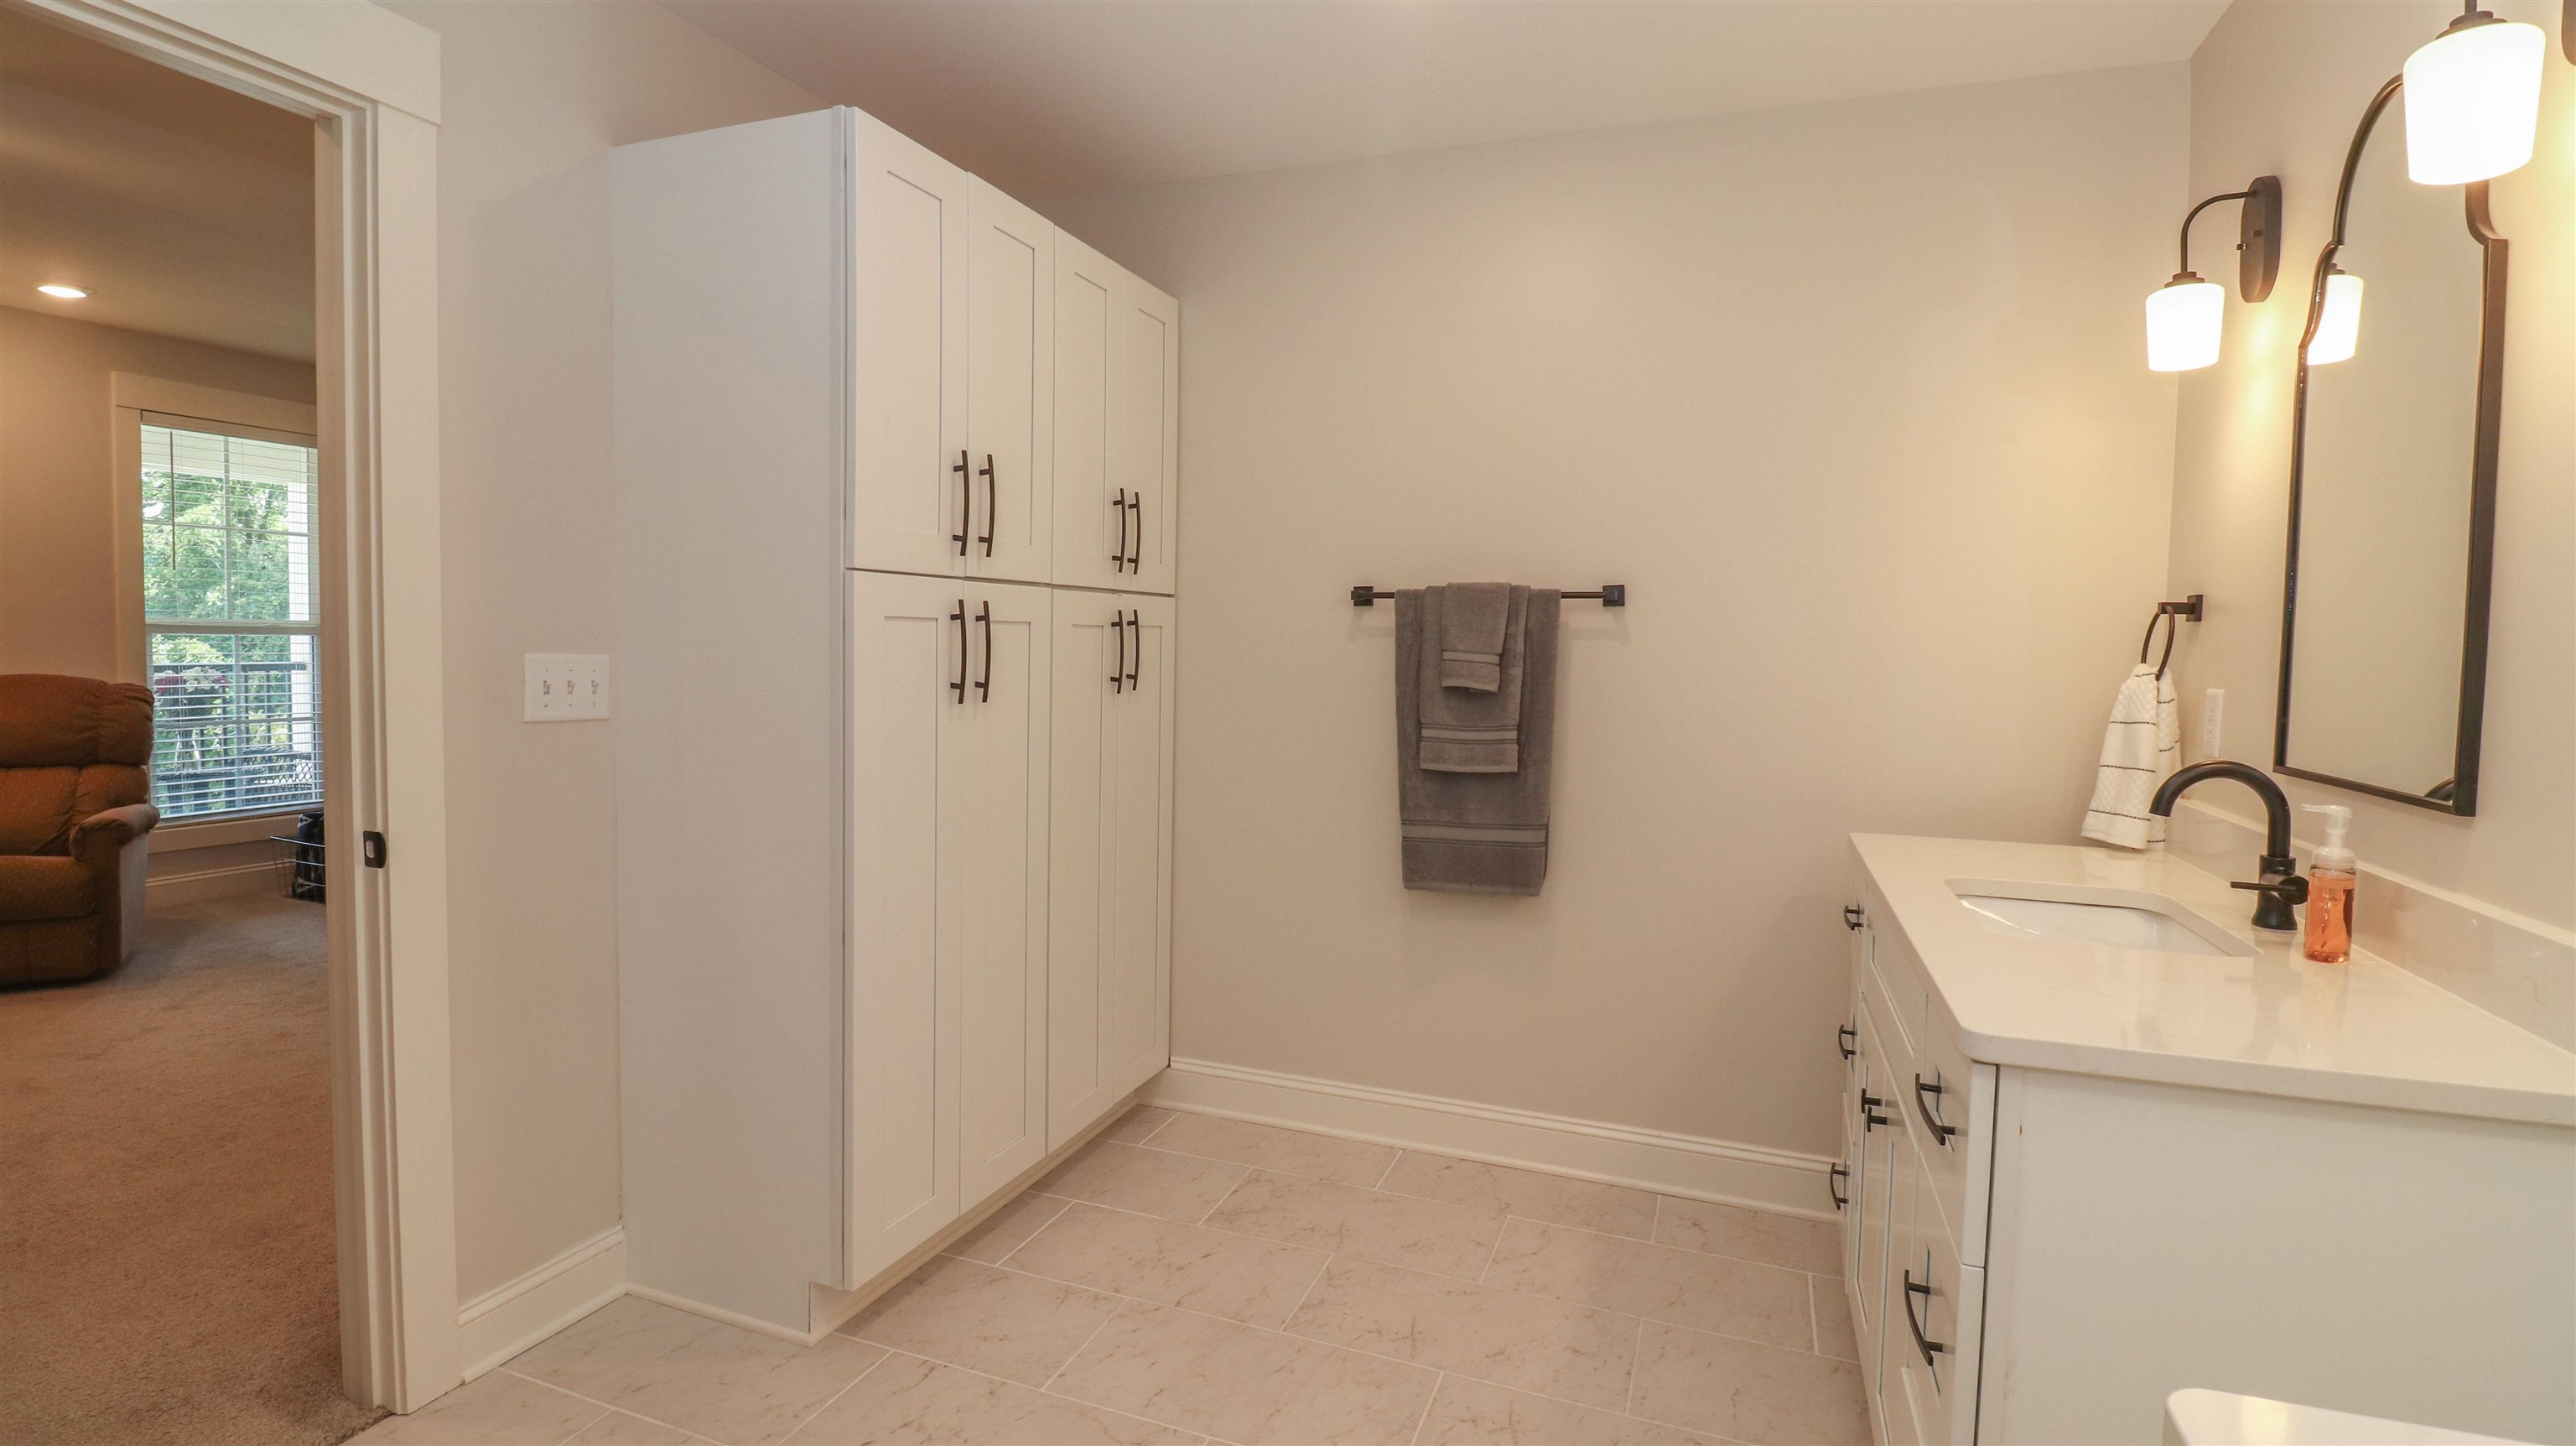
896,464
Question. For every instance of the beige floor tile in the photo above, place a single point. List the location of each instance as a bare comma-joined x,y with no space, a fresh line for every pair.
907,1400
620,1429
1834,1334
494,1409
1150,1182
1006,1229
1682,1287
1757,1235
1138,1125
1614,1209
986,1319
720,1381
1472,1413
1371,1224
1748,1392
1238,1384
1571,1352
1295,1152
1216,1271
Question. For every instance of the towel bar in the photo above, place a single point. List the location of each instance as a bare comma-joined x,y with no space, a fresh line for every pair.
1612,595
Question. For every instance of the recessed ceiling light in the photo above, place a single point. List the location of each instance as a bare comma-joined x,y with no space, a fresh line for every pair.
67,293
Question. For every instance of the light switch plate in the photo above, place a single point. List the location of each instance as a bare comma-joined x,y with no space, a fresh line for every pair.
567,687
2213,708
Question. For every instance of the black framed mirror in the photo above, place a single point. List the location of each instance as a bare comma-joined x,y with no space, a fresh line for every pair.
2392,486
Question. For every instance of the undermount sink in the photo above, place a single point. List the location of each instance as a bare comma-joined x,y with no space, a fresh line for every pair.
2079,914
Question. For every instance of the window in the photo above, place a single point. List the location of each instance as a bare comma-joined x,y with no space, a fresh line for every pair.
229,590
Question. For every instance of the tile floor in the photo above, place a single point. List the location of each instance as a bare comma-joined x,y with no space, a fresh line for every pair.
1186,1278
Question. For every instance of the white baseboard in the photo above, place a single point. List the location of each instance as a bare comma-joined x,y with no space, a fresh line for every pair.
500,1323
1685,1165
732,1318
163,890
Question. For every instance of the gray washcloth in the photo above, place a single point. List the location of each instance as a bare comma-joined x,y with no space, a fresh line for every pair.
1476,833
1465,732
1475,618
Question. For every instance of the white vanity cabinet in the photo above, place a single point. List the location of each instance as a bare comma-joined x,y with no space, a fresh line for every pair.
894,849
1117,424
2085,1177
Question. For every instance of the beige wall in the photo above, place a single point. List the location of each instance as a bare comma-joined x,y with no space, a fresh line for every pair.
534,96
58,480
2277,88
1851,396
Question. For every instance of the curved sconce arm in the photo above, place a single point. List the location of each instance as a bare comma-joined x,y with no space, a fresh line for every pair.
2258,237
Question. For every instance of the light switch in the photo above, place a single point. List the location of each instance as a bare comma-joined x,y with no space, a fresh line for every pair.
2213,708
567,687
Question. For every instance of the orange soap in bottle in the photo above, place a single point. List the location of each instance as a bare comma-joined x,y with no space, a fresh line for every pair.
2331,876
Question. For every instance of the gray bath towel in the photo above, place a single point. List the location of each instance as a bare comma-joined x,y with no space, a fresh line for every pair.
1468,732
1475,618
1476,833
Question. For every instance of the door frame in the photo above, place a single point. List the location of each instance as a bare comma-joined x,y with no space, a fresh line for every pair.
370,81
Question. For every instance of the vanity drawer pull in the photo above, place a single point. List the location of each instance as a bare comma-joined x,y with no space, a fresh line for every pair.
1845,1037
1923,1107
1913,1288
1852,916
1870,1118
1834,1179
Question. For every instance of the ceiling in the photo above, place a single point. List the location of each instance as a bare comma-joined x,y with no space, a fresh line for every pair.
186,209
1047,98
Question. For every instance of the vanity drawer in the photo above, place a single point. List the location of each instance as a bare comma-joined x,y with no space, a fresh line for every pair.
1950,1102
1936,1327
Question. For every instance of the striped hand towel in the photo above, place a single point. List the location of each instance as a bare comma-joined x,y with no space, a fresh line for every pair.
2141,747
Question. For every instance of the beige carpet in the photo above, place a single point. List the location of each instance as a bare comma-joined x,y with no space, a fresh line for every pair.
167,1262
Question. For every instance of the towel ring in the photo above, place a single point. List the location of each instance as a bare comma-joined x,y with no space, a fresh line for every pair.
2172,615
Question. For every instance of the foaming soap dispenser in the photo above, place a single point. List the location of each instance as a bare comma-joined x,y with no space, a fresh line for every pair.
2331,876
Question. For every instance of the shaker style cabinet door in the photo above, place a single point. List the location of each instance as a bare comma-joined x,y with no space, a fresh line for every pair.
1109,957
1093,520
908,490
1145,443
1010,393
909,647
998,830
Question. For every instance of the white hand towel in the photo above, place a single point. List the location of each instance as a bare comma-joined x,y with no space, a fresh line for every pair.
2140,749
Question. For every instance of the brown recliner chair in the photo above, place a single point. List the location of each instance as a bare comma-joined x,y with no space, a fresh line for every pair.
73,824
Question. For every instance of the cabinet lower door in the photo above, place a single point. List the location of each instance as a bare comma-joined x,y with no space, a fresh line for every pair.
1109,960
907,649
907,384
999,830
1010,393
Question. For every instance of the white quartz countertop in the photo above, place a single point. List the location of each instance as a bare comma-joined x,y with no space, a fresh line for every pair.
2366,1032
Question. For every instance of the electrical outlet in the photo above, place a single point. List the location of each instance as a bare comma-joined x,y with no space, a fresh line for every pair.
2213,708
567,687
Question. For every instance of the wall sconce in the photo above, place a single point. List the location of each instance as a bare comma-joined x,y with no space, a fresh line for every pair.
2338,320
2473,99
2186,314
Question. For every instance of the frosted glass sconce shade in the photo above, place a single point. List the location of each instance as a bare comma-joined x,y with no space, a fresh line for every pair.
2183,321
2338,321
2473,100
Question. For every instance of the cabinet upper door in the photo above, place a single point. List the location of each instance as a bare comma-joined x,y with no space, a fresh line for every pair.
1145,441
908,652
908,490
1010,393
1093,521
998,831
1109,957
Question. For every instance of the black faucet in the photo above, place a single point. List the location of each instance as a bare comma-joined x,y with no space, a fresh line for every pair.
2280,885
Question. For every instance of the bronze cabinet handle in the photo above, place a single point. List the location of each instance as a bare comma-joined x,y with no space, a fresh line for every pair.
1136,550
1118,673
965,507
1118,559
992,506
1923,1107
959,618
1913,1288
1834,1179
1136,625
984,685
